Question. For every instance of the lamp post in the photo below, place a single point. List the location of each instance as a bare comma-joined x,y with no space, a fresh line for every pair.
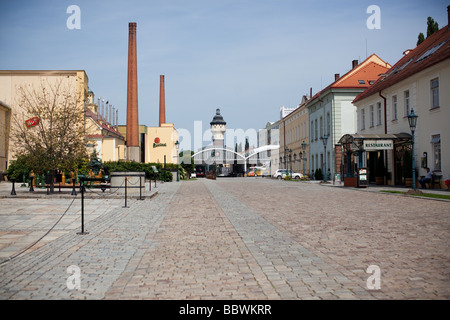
177,145
412,119
287,150
303,156
324,140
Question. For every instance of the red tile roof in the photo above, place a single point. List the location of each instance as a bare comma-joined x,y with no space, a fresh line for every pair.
434,49
369,70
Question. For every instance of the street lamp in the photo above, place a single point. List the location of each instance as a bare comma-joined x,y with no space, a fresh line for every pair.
287,150
303,156
412,119
177,145
324,140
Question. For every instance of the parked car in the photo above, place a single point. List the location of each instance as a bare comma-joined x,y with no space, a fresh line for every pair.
281,173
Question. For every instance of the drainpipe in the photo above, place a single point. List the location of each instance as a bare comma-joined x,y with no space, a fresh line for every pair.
385,132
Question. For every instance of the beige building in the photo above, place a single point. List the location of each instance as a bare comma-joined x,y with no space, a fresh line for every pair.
419,81
293,131
102,132
12,80
156,142
5,123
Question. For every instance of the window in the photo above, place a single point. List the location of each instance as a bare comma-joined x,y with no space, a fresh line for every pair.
372,117
315,129
321,127
434,85
361,82
312,131
436,147
328,124
363,119
379,114
394,108
406,97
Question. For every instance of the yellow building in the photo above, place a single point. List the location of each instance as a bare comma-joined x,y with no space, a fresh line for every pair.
293,131
100,124
156,142
5,123
12,80
102,133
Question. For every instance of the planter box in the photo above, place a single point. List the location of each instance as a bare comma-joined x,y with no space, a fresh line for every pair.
350,182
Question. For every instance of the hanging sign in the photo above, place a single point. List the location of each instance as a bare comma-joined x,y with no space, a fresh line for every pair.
32,122
378,145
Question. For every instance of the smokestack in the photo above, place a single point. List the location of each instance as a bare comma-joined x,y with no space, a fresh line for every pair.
354,64
133,150
162,101
310,92
336,76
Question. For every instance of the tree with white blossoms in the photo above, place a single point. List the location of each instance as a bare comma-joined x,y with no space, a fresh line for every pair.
56,138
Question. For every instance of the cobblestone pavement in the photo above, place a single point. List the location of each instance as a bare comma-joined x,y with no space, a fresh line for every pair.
243,238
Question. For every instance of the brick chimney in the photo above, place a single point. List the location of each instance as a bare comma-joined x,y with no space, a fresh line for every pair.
354,64
133,150
162,101
336,76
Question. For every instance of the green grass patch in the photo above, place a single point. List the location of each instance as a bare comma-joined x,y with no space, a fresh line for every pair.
426,195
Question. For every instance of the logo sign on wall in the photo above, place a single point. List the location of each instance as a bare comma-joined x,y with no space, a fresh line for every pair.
32,122
157,143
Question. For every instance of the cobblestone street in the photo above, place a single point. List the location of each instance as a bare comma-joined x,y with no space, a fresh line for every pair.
241,238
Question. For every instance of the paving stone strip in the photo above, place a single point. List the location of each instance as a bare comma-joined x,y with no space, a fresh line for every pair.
101,255
294,271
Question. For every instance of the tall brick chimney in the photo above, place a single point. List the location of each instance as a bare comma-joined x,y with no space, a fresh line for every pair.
133,150
162,101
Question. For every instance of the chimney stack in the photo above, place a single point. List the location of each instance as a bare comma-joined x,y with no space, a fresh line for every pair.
162,101
448,17
354,64
133,150
336,76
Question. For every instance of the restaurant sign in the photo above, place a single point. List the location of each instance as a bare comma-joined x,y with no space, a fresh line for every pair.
378,145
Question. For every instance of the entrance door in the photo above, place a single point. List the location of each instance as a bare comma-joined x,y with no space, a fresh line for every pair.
371,165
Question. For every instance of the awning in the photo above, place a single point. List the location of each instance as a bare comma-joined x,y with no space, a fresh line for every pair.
356,141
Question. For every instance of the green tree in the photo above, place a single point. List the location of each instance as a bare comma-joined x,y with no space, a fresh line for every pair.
432,27
187,161
58,138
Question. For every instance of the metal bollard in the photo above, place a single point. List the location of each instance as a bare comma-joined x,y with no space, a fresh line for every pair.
82,189
126,179
74,192
13,191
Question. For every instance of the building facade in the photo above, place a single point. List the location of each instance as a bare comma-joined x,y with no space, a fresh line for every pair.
5,125
12,80
293,131
331,113
419,81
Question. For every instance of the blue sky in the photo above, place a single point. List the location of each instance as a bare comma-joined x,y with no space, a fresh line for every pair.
246,57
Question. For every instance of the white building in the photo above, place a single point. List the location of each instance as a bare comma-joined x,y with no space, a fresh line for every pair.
332,114
420,81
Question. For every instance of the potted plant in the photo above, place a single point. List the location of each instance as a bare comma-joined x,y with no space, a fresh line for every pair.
407,168
380,171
